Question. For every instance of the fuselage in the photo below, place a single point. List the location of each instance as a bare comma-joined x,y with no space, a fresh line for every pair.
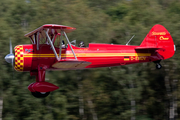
53,54
27,57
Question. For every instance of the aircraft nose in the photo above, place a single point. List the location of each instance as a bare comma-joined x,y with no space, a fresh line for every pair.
19,63
9,58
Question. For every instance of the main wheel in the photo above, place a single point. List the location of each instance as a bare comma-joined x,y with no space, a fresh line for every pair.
40,94
158,66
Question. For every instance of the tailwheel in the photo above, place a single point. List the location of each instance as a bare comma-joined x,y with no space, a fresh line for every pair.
40,94
158,66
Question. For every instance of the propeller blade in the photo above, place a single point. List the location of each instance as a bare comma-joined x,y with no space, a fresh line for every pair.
10,57
10,44
12,60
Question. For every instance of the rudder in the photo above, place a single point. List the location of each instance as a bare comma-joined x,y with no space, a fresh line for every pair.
159,37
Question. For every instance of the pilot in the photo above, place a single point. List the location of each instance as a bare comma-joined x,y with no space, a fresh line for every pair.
63,44
81,44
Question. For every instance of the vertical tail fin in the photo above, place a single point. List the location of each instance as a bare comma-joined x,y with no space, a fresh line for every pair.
159,37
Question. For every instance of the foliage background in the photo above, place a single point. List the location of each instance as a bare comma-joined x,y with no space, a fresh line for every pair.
127,92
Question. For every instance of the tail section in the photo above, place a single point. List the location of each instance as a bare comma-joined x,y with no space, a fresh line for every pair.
159,39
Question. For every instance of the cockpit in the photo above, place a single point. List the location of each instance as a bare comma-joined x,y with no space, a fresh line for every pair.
53,35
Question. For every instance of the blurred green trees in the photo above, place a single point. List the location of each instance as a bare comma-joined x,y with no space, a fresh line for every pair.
126,92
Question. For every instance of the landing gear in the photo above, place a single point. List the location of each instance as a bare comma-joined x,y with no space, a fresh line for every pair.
41,88
158,65
40,94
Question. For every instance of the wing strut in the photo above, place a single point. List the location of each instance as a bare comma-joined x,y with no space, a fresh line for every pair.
60,47
34,38
37,39
49,39
70,45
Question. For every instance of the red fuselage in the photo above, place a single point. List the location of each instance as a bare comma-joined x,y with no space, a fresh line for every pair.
27,57
37,57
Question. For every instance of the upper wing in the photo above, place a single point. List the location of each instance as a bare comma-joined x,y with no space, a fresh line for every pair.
53,28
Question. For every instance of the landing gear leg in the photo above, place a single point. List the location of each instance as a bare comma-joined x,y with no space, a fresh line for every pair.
158,65
41,89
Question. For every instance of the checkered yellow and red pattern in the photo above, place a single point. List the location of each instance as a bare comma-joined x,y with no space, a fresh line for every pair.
19,58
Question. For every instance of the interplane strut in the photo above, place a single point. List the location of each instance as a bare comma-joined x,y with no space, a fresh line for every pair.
60,47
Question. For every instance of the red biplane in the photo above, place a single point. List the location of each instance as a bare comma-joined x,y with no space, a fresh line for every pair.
48,51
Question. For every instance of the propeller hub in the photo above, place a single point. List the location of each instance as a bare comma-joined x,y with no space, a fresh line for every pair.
9,58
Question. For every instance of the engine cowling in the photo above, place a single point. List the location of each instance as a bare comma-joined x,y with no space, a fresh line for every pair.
23,57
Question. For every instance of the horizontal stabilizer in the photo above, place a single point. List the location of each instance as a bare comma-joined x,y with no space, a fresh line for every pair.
149,48
70,64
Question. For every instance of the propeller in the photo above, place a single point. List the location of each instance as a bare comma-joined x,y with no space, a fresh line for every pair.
10,57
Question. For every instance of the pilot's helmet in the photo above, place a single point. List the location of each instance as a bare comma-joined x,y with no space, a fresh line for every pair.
81,44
